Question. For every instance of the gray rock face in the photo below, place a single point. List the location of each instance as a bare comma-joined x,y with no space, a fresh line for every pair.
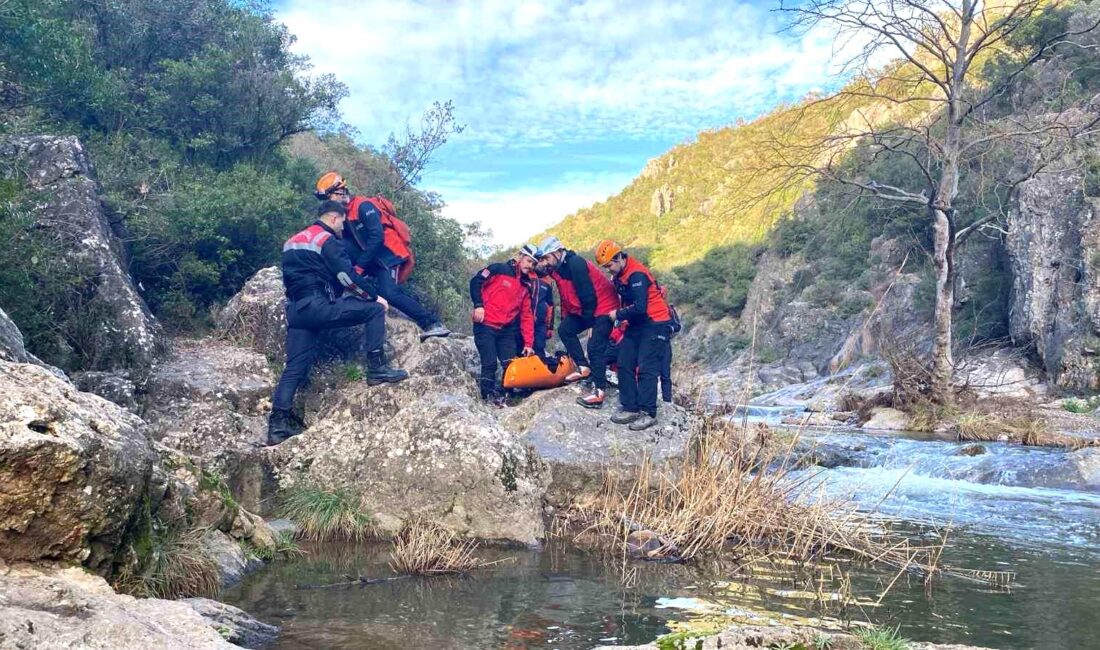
1054,246
119,331
209,390
113,386
256,316
233,624
58,608
12,348
73,468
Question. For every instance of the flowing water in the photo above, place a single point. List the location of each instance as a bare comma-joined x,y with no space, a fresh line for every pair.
1021,510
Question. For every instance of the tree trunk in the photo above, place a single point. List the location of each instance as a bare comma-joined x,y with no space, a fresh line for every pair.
943,256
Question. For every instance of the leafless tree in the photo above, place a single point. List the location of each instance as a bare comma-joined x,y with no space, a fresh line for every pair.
411,153
933,107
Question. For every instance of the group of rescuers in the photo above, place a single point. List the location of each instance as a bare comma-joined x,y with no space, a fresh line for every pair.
346,269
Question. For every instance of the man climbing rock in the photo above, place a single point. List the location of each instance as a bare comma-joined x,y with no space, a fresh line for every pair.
380,246
644,346
502,307
587,297
316,270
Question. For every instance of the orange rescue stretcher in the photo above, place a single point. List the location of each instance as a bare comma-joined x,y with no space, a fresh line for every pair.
533,372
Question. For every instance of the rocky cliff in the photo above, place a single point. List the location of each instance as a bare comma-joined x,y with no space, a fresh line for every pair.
110,327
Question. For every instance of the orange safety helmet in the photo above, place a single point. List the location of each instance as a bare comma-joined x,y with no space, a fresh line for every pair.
606,251
329,183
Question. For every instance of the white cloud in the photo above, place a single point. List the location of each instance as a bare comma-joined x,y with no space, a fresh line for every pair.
557,71
516,215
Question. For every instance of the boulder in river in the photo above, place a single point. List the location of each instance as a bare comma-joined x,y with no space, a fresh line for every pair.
53,607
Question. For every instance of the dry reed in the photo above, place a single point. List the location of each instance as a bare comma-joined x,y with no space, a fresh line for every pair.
735,494
1027,430
426,548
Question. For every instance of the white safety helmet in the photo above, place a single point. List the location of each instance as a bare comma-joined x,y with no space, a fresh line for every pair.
550,245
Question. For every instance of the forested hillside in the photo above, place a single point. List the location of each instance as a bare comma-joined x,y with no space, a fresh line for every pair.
708,209
187,109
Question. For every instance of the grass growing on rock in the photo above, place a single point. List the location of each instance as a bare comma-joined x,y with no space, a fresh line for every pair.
735,495
426,548
323,515
1027,430
879,638
171,564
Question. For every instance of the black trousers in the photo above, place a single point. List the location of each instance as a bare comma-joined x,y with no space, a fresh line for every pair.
305,318
666,373
494,345
569,332
641,361
401,299
541,330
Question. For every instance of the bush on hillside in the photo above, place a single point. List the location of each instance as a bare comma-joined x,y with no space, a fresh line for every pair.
716,286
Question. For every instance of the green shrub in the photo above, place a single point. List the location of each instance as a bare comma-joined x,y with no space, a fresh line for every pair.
718,285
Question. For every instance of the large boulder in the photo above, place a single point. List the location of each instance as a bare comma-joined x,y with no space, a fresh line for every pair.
116,329
1054,245
209,399
582,445
54,608
256,317
423,448
73,470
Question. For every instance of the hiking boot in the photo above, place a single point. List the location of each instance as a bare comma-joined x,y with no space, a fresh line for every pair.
582,372
643,422
436,329
593,400
380,372
279,427
625,417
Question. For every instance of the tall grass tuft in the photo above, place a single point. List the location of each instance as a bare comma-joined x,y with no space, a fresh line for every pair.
171,564
426,548
879,638
323,515
735,494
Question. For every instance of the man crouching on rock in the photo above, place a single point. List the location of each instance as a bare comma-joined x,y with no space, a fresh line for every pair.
316,270
502,305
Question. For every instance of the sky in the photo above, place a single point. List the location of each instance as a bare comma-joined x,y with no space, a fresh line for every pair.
563,101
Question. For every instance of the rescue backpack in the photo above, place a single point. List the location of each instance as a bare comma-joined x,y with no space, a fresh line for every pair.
396,236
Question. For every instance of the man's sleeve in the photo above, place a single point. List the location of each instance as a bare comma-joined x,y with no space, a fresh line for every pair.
336,258
638,288
582,283
367,230
479,279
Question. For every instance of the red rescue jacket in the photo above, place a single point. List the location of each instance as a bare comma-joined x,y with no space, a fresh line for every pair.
504,294
575,269
396,236
656,308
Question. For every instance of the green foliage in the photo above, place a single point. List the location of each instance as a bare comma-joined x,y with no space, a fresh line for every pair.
198,244
1082,406
213,482
717,285
352,372
285,547
685,640
877,638
327,514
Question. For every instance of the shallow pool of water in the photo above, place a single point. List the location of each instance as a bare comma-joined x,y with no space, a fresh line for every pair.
1011,510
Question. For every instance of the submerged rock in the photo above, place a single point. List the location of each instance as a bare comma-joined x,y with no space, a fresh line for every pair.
51,607
234,625
753,637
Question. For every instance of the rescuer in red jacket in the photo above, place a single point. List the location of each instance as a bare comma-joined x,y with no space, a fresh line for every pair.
502,307
587,297
645,342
